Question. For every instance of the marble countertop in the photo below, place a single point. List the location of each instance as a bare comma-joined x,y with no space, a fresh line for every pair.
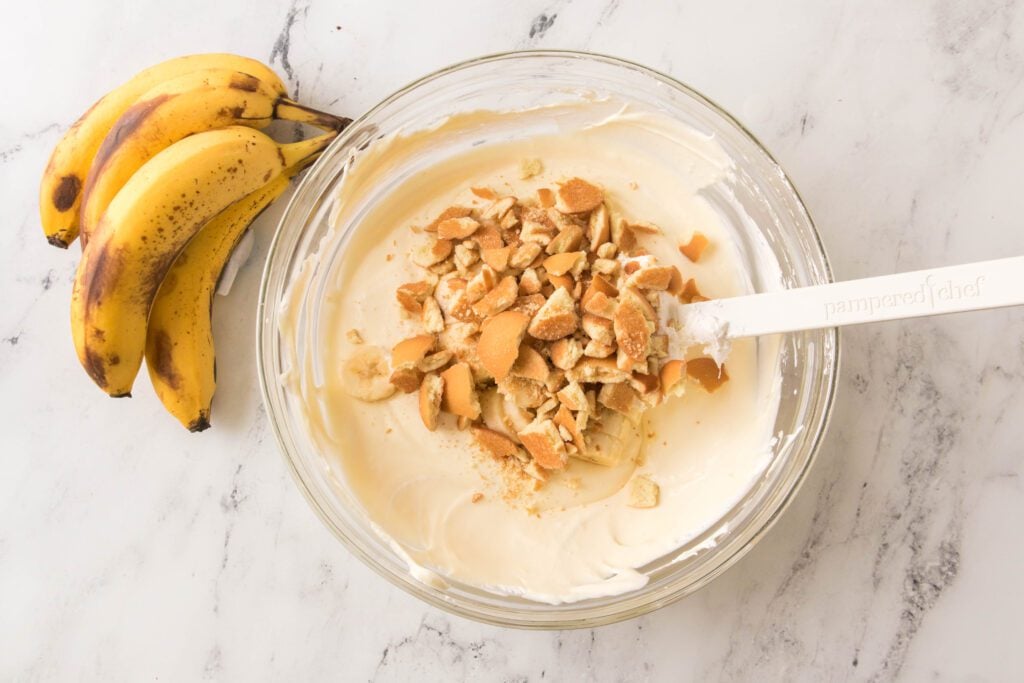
131,550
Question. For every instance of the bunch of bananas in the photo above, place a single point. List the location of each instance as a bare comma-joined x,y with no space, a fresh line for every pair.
159,180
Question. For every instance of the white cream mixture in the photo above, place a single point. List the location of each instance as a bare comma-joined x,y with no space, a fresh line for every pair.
415,487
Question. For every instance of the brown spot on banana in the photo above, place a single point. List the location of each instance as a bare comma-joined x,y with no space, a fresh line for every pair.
58,241
101,268
244,82
128,123
65,194
200,423
156,273
237,112
96,368
163,360
170,282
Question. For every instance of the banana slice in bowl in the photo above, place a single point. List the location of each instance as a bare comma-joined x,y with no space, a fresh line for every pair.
613,439
365,374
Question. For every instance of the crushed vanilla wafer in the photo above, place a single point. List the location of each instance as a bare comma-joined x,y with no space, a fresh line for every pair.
695,247
529,168
643,493
540,327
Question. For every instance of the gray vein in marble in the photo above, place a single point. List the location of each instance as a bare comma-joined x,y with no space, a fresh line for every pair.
9,153
229,505
13,150
917,547
606,12
774,635
541,25
806,124
433,642
961,28
281,52
16,328
935,426
231,501
213,665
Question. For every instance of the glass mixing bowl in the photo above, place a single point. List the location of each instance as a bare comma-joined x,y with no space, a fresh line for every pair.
758,188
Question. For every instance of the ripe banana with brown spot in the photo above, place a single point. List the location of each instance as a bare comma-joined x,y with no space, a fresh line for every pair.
179,336
173,110
145,227
66,172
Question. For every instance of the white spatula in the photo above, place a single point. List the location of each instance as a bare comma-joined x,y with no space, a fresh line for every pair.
968,287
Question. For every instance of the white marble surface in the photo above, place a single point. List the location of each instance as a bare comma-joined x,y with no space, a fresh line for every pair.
131,550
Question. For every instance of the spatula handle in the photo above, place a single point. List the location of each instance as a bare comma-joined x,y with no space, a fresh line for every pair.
936,291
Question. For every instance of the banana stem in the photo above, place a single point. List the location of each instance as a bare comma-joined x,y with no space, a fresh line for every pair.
301,152
289,110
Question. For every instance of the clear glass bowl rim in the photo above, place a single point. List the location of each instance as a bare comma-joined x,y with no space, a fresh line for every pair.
267,348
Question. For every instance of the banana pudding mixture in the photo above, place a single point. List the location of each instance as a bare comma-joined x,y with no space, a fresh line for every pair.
501,381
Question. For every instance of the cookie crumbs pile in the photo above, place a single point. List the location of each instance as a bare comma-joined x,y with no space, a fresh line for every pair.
540,326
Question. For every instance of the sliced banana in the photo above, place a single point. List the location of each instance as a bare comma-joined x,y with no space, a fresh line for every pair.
612,440
365,374
516,417
493,411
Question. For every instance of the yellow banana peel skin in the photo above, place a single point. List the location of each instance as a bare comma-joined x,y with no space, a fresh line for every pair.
192,103
179,338
60,191
160,179
180,355
146,225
